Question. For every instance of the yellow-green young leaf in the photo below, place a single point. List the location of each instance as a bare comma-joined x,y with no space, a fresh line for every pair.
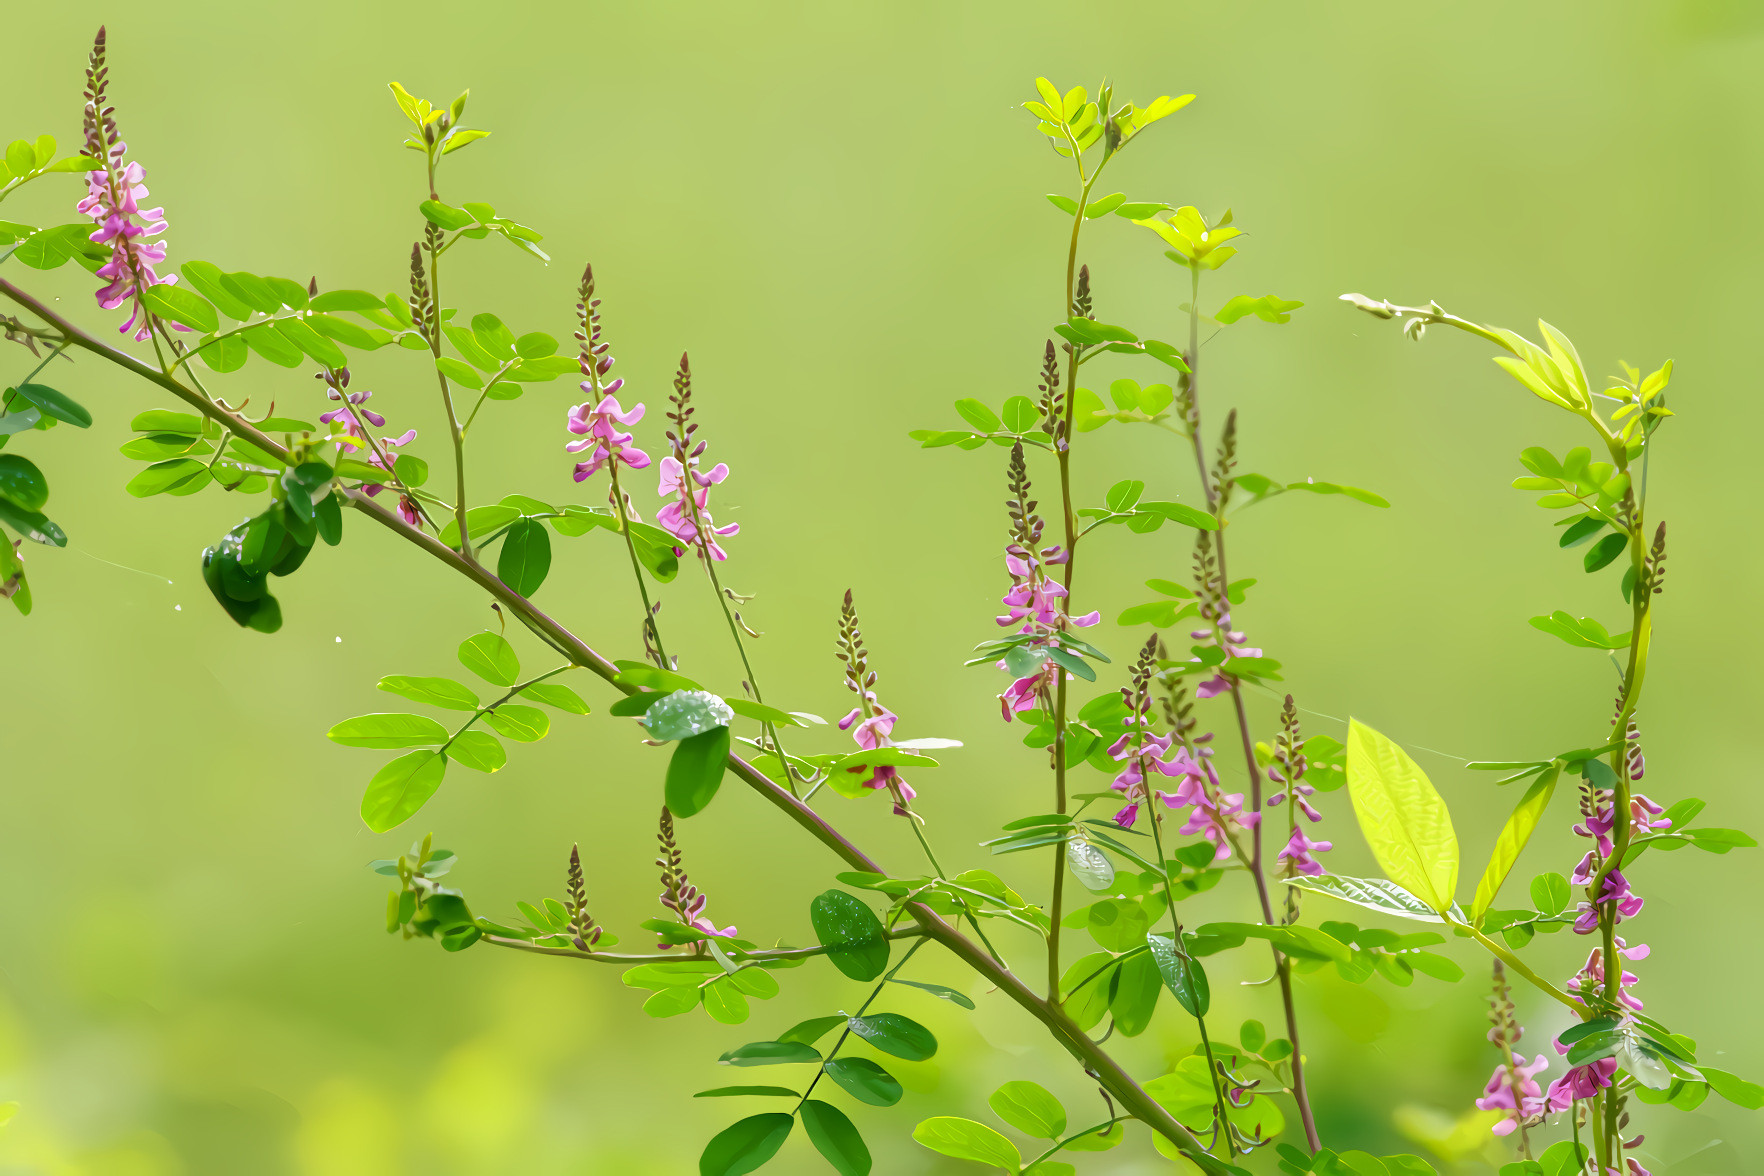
402,787
1404,820
1512,840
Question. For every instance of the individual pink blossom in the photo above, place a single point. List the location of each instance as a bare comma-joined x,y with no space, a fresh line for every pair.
1590,980
1498,1094
1141,752
1580,1082
871,724
355,417
1213,814
1299,853
597,424
114,194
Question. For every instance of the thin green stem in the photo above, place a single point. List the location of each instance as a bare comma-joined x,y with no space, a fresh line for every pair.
1181,949
1099,1129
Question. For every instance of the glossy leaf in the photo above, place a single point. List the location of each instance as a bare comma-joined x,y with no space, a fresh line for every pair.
442,692
865,1081
967,1140
835,1138
1029,1107
56,404
938,990
477,750
1184,977
1402,816
400,788
854,937
491,657
894,1034
388,731
695,771
525,724
745,1146
771,1053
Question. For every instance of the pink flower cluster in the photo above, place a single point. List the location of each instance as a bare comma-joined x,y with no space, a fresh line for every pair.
688,518
355,418
1234,646
1212,814
871,724
1036,605
1498,1094
1299,855
597,423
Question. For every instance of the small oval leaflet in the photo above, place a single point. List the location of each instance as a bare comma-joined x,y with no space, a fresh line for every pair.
1090,865
686,713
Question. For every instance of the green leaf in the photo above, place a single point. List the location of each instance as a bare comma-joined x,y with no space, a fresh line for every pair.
490,656
1269,308
388,731
1511,842
739,1091
1137,988
725,1003
937,990
1020,414
160,420
442,692
1375,894
525,559
1581,632
312,343
1734,1089
1605,550
31,524
22,483
1184,977
357,300
270,343
524,724
1029,1107
745,1146
771,1053
554,695
864,1080
894,1034
695,771
856,942
56,404
967,1140
812,1030
1178,512
1403,818
977,414
400,788
478,750
835,1138
1550,893
181,306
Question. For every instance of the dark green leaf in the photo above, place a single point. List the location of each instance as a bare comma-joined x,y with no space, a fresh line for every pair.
856,942
771,1053
1183,976
812,1030
525,559
55,404
22,483
894,1034
835,1138
31,524
865,1081
696,771
745,1146
1606,550
739,1091
939,990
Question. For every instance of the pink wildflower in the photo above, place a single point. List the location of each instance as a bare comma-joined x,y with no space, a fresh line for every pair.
1498,1094
114,194
688,517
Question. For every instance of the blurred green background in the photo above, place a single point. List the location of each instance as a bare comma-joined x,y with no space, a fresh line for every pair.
838,209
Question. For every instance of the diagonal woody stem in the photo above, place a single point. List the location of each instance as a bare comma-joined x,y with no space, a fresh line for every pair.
1096,1061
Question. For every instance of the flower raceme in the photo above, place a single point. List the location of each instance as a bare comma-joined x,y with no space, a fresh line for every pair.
355,417
114,194
1036,603
1498,1094
688,517
871,724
